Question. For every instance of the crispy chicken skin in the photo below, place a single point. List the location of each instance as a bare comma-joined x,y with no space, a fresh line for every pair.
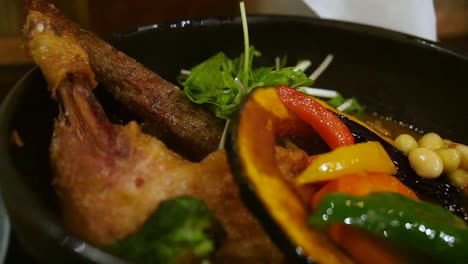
110,178
188,128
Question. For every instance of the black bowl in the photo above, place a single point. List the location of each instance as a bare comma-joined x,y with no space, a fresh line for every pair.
407,78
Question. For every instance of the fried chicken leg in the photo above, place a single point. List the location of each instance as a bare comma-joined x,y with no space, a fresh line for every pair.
103,172
110,178
188,128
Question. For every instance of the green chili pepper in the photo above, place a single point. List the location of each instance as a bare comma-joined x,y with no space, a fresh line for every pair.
425,227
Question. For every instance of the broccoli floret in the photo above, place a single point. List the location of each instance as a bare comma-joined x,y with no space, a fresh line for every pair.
181,230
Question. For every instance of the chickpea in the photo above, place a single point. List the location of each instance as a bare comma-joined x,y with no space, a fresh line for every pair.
426,162
449,143
464,156
405,143
459,178
431,141
451,158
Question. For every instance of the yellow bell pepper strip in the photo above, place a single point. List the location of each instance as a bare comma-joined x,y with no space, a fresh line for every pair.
326,123
362,157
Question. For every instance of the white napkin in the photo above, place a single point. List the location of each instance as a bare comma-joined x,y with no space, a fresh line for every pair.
415,17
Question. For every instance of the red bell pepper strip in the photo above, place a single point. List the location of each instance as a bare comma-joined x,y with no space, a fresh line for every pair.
326,123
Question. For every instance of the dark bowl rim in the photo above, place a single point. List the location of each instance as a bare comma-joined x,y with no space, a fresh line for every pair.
12,99
365,29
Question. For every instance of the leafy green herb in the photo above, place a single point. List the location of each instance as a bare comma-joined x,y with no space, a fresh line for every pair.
181,230
428,228
285,76
213,82
354,108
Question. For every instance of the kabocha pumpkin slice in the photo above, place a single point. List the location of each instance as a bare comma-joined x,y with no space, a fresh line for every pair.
250,147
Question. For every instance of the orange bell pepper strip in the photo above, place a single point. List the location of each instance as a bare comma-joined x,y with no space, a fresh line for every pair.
363,247
361,184
325,122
